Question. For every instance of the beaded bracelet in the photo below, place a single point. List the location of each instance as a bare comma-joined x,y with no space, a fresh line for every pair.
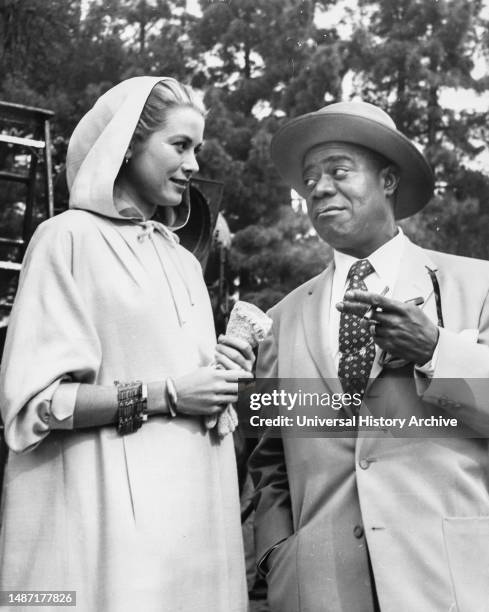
131,406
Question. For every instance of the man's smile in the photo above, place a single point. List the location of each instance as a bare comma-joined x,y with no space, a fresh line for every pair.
327,210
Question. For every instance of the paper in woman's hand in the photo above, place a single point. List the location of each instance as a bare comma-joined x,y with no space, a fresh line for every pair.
248,323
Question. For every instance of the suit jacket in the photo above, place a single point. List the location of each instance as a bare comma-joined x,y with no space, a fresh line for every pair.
421,504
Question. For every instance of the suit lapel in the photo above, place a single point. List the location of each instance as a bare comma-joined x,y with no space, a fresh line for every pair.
413,279
315,320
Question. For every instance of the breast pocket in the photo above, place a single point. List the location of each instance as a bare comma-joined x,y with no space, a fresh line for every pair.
467,546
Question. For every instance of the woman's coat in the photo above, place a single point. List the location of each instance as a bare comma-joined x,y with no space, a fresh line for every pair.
145,521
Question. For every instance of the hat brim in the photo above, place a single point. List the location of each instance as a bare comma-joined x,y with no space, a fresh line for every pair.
294,139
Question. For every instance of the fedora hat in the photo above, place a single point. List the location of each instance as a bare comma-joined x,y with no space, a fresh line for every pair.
357,123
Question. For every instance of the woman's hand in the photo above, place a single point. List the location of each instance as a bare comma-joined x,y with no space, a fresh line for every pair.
207,391
232,353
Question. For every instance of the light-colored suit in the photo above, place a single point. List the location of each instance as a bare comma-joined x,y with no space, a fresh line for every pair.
421,504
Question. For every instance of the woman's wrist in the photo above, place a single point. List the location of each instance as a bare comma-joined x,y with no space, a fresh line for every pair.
97,405
158,402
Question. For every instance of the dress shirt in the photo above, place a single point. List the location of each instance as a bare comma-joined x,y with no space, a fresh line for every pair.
386,261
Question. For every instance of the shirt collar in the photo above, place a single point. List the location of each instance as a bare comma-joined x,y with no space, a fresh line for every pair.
386,260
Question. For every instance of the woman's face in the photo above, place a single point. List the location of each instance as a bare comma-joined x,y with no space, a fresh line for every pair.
160,167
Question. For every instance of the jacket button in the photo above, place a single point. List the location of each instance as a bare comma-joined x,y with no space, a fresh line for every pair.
358,531
364,463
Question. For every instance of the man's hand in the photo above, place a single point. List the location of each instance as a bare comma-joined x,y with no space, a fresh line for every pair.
400,328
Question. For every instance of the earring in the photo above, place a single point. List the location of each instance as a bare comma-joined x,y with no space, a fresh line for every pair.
126,160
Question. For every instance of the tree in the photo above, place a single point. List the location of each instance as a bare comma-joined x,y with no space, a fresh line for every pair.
36,33
254,80
260,62
274,260
255,66
404,55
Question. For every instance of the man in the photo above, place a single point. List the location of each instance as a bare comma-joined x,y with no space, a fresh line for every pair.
384,522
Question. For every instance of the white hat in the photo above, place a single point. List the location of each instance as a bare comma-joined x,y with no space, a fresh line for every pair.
361,124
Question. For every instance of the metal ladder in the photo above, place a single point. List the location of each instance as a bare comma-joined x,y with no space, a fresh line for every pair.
24,131
37,144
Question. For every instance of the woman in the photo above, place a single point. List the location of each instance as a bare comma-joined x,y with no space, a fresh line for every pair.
112,326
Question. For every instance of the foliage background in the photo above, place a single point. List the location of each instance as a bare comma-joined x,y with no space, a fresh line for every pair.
259,62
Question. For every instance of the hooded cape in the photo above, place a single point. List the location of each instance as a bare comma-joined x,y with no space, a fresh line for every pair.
145,521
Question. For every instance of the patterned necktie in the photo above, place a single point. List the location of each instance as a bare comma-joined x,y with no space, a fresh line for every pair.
356,345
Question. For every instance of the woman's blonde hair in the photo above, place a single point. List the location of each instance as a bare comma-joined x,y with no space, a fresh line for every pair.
165,96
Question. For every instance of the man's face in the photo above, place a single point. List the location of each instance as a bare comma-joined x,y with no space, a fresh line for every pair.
347,199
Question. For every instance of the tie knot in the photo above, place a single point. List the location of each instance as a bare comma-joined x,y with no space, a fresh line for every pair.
360,270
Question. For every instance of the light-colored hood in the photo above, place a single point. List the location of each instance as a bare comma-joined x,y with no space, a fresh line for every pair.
97,148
